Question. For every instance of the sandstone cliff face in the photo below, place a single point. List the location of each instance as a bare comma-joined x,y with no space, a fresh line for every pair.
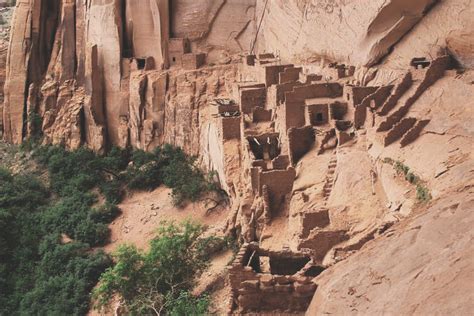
363,32
104,61
303,108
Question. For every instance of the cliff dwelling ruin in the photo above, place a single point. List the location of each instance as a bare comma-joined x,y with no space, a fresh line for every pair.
307,128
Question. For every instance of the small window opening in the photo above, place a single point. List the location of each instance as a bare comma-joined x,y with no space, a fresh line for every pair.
319,117
141,62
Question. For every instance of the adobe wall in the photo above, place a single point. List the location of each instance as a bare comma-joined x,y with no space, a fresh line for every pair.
272,73
310,78
251,98
255,178
312,219
400,89
312,111
354,95
264,146
413,133
289,75
294,114
360,115
399,130
193,61
281,162
261,115
377,98
315,90
337,110
300,142
294,105
281,90
260,292
230,127
320,241
279,184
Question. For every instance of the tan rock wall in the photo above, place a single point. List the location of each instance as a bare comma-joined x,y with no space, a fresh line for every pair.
359,32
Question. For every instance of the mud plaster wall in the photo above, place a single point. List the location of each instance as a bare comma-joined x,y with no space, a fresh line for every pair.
254,291
289,75
399,130
261,115
279,184
294,104
251,98
230,127
300,142
272,74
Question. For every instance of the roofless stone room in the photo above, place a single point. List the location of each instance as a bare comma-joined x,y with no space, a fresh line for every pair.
236,157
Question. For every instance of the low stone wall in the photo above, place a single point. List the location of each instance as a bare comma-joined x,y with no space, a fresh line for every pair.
398,130
434,72
260,292
413,133
400,88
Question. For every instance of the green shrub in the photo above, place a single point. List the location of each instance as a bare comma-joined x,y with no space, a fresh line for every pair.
105,213
401,168
39,275
412,178
148,281
186,304
65,276
208,246
172,167
422,193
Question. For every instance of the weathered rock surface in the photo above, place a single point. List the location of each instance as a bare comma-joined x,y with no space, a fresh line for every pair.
357,32
410,270
305,135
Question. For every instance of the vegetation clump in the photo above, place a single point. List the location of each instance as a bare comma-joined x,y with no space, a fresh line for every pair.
40,274
157,281
423,194
49,229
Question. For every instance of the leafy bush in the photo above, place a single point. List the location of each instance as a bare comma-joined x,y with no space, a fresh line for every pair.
65,276
401,168
186,304
148,282
105,213
41,276
422,193
172,167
